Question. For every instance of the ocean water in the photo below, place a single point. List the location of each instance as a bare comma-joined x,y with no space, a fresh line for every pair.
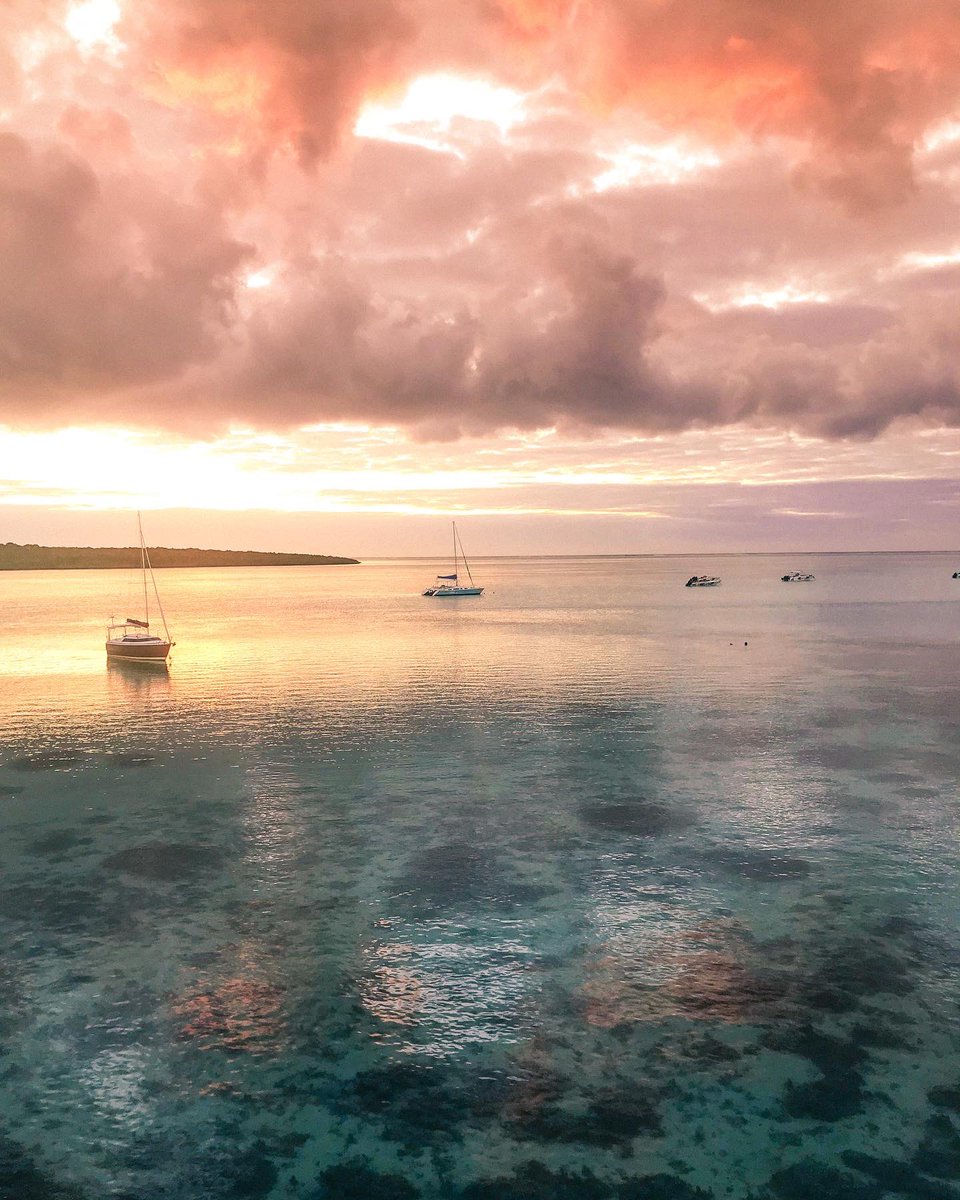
595,887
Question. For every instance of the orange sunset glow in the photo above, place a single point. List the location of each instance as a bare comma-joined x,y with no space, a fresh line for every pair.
621,267
480,591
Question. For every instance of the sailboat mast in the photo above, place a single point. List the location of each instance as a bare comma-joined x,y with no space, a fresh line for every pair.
156,594
143,571
455,568
465,563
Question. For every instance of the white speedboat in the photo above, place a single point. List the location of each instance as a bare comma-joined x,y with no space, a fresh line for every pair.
702,581
797,577
130,640
450,586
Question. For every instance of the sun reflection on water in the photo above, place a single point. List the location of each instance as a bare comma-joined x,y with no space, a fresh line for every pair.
237,1008
568,875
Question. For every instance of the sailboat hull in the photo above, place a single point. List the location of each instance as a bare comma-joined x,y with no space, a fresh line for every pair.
449,587
145,650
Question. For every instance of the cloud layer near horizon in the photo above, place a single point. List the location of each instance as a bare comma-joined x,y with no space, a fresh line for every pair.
613,214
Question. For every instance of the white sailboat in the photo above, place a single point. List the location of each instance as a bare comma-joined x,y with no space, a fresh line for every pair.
449,585
130,640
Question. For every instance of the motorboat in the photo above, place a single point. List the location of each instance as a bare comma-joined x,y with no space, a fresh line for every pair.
130,640
955,575
450,586
797,577
702,581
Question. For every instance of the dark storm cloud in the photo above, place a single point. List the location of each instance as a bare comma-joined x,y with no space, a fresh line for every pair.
111,297
562,337
101,288
823,379
573,312
491,286
580,340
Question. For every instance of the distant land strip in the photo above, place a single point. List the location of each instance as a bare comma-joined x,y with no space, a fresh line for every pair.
106,558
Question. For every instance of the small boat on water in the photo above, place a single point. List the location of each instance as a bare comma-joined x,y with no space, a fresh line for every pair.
702,581
447,586
797,577
955,575
130,640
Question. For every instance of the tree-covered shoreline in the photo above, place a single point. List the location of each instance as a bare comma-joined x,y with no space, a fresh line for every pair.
14,557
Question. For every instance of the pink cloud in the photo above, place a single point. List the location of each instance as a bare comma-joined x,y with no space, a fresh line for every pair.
486,284
856,83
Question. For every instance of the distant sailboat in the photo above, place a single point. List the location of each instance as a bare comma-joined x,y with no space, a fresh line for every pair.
130,640
449,585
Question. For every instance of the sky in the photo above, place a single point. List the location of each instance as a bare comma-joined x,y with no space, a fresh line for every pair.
613,276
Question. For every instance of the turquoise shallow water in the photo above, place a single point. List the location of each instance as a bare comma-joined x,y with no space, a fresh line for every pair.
596,887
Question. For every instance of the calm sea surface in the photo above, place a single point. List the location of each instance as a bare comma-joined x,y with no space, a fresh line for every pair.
595,888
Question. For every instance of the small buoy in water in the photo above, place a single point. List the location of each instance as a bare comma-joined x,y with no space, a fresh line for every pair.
746,643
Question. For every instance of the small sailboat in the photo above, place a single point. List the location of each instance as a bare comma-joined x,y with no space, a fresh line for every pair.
130,640
702,581
450,585
797,577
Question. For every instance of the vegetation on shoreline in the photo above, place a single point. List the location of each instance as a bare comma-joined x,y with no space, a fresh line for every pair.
101,558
